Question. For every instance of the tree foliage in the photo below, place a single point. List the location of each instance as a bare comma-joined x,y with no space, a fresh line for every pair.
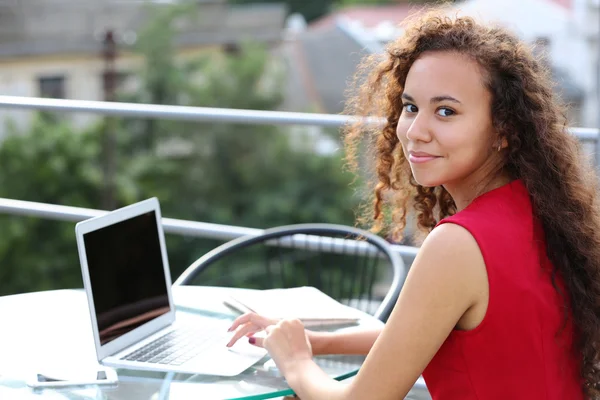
49,163
246,175
310,9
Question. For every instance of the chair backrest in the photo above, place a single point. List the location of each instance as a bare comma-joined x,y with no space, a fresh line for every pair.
353,266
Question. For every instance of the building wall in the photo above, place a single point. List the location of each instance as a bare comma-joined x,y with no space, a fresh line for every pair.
568,49
83,80
35,42
587,23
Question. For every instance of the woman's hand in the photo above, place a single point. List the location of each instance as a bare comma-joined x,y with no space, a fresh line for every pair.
249,324
286,341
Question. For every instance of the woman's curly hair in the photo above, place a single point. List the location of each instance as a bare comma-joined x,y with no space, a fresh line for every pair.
541,152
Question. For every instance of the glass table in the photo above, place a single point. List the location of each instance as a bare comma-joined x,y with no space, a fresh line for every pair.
49,329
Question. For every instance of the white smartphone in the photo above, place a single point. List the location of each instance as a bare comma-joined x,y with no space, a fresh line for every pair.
102,376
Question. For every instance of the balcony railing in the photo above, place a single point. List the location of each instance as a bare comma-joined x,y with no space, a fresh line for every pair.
170,225
203,114
198,114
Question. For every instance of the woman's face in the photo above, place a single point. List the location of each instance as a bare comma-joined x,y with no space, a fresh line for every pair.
445,127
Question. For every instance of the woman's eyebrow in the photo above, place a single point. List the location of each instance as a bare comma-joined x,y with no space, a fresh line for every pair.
436,99
439,99
407,97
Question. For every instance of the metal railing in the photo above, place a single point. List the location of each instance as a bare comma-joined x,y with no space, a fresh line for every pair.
181,113
170,225
198,114
203,114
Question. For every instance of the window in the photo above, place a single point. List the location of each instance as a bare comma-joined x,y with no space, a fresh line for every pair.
52,87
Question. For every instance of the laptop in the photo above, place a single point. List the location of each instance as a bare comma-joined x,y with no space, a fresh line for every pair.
126,277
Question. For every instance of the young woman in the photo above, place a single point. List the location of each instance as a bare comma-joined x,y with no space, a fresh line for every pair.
503,299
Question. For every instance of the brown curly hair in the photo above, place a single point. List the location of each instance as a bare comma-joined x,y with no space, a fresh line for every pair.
541,152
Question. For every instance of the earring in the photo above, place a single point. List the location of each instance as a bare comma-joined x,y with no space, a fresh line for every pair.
500,147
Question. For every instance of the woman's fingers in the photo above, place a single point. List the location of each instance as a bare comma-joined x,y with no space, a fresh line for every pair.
253,318
260,341
256,341
243,331
242,319
248,324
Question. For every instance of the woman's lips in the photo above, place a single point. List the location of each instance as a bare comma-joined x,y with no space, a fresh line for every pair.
419,157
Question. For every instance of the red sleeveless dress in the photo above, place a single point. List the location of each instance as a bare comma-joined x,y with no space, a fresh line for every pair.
517,352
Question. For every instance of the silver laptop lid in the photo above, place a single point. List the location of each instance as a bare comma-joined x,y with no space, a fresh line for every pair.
126,275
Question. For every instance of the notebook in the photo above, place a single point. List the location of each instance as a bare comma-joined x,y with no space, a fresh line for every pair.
309,304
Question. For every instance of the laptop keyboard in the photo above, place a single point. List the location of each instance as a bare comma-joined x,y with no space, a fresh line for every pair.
178,346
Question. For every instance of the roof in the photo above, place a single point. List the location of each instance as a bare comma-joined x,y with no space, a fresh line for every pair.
568,4
321,63
369,17
325,57
39,27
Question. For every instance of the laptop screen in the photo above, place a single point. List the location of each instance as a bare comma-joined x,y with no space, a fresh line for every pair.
126,274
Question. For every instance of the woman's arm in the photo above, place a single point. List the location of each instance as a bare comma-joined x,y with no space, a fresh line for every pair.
447,278
356,341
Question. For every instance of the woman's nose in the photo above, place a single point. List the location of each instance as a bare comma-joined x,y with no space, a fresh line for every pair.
418,130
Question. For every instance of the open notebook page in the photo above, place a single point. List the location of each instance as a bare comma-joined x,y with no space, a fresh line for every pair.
306,303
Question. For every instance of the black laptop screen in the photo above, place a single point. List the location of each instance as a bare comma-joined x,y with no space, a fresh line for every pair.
126,274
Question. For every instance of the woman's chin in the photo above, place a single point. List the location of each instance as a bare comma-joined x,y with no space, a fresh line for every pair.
427,180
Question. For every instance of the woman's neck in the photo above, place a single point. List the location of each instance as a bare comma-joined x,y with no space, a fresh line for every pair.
465,191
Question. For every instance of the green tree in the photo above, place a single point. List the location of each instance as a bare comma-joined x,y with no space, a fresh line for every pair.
310,9
248,175
49,163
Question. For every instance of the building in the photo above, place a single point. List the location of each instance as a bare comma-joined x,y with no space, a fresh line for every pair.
586,14
53,48
556,29
324,56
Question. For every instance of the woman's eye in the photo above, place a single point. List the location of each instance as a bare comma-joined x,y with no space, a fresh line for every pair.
411,108
445,112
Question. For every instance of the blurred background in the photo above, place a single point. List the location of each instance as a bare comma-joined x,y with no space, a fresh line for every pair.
294,55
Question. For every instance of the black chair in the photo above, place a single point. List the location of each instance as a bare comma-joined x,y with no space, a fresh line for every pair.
351,265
